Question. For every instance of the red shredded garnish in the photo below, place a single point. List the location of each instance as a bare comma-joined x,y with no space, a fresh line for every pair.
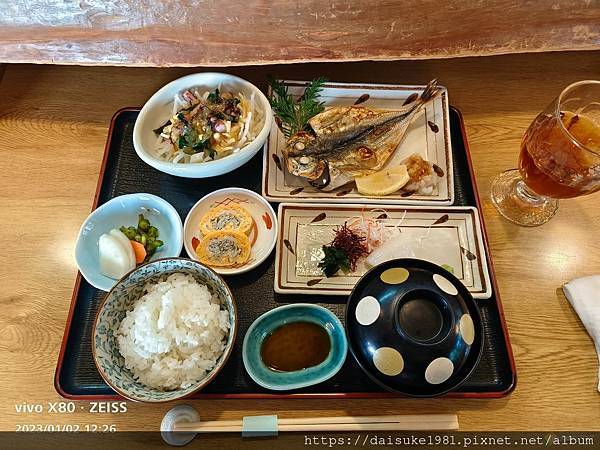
351,243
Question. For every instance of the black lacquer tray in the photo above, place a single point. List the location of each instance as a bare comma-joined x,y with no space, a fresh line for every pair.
123,173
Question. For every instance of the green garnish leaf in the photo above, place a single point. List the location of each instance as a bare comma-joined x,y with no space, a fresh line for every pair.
201,144
333,260
448,267
190,142
182,142
294,115
215,96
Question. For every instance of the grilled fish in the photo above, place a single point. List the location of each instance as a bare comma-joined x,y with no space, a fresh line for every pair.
346,142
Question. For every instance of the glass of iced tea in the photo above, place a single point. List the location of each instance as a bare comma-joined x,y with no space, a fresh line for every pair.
560,158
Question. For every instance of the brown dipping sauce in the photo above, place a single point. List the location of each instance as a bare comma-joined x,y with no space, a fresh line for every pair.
295,346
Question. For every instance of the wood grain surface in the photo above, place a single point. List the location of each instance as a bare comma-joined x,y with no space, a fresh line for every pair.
213,33
53,127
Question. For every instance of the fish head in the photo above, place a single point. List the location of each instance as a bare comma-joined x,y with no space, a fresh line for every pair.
302,163
312,168
300,144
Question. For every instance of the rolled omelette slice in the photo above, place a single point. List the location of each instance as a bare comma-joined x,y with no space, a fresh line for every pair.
231,217
225,248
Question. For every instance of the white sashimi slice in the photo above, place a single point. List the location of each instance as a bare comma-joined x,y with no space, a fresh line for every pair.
124,241
398,247
115,259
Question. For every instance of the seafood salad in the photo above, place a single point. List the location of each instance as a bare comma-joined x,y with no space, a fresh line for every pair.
208,125
343,144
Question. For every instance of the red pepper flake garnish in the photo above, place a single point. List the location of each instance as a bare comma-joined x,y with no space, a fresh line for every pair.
344,251
353,244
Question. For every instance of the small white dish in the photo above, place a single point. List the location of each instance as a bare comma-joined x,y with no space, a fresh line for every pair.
263,235
159,108
450,237
123,211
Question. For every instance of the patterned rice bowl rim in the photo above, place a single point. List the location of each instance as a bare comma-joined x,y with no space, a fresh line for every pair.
121,298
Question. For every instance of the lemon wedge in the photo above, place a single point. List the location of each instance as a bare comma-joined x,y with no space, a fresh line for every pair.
384,182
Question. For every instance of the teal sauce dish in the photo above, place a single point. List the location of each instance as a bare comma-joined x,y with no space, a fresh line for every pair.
269,322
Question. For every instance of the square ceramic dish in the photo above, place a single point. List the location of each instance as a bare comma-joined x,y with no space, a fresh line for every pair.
428,135
449,236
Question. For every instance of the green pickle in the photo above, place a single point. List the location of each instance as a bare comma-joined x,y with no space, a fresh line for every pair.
145,234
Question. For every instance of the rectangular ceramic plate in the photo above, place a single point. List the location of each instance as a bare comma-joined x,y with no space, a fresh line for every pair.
428,135
445,236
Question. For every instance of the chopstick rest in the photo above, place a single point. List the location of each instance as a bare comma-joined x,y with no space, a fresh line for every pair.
258,426
178,415
584,296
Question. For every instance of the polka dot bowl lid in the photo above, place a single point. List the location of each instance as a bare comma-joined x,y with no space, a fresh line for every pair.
414,328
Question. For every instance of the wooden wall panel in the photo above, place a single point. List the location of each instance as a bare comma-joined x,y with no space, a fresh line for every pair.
244,32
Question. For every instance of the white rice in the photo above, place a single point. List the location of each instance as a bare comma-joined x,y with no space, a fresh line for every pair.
174,335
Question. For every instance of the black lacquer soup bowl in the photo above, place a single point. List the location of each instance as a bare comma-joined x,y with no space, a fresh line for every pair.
414,328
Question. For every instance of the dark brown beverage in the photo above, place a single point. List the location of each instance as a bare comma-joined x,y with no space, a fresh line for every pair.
560,158
561,164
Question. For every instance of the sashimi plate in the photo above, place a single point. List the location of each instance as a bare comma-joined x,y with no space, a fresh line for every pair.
448,236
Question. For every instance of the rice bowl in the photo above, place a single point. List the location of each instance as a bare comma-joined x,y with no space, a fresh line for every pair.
174,334
148,316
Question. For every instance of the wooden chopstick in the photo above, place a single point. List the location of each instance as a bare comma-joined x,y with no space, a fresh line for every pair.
356,423
340,419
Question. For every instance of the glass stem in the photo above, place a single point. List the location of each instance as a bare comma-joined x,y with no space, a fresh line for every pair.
525,194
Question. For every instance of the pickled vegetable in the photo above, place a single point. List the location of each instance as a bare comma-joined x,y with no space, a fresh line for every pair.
144,236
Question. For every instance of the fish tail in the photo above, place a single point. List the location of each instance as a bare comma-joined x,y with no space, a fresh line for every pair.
430,91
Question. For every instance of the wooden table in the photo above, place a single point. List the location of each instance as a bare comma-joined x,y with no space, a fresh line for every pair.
53,126
212,33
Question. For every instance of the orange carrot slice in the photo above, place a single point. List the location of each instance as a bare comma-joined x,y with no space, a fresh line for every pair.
139,250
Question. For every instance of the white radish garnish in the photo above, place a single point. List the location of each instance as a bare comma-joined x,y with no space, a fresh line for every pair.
116,254
126,243
399,246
